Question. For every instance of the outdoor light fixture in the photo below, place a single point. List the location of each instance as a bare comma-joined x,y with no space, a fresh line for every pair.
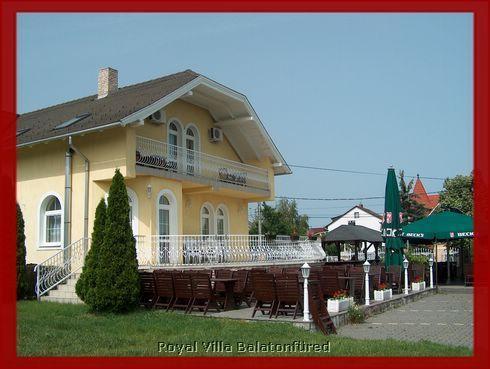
405,265
431,263
148,191
305,272
366,267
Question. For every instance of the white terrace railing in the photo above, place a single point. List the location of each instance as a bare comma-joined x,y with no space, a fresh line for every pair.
59,267
215,250
161,155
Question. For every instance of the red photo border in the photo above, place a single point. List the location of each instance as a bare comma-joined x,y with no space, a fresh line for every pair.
9,10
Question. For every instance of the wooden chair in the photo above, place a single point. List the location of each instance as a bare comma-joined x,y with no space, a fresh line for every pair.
396,278
221,273
182,290
318,309
147,289
468,274
164,288
376,270
240,288
287,294
276,270
329,282
264,292
358,274
291,270
203,296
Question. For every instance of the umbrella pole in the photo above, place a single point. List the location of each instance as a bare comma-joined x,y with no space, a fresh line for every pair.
448,264
435,253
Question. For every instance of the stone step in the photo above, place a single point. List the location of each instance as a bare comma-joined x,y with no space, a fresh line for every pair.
62,300
62,294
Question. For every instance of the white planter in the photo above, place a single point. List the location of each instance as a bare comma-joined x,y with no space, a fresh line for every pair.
336,306
382,295
418,286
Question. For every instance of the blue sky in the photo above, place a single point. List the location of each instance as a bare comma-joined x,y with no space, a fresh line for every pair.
348,91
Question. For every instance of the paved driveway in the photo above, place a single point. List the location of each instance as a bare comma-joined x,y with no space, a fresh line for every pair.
446,318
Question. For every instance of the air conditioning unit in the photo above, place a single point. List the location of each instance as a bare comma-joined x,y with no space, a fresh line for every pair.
215,135
158,117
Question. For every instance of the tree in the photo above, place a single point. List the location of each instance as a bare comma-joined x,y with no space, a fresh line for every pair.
117,279
21,256
86,284
457,193
284,219
412,210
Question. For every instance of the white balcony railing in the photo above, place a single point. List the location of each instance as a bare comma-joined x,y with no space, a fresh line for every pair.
161,155
181,250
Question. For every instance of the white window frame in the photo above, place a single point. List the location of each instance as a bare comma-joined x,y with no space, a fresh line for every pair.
179,133
41,224
172,208
210,217
225,217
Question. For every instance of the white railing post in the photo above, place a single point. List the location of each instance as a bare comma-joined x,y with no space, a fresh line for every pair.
37,283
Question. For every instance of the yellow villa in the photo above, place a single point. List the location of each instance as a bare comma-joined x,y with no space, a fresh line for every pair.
193,152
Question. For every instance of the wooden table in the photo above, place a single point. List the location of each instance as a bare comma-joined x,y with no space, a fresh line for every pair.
229,287
350,281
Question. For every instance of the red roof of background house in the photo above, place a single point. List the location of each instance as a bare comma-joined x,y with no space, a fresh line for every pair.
313,231
420,195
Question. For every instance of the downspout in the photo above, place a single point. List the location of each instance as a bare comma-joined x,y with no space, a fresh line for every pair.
67,210
86,194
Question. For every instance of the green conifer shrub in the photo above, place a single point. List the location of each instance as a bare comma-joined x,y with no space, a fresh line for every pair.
85,287
117,280
21,256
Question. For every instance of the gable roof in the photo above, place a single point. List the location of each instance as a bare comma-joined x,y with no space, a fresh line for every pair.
420,195
361,207
353,233
134,103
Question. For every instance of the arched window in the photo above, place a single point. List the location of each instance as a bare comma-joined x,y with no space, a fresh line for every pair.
163,216
207,219
221,220
133,210
50,217
192,148
174,139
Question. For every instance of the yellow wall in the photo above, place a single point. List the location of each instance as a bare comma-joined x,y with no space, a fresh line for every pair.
187,113
41,169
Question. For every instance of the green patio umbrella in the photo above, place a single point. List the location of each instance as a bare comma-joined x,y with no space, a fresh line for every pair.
391,226
444,226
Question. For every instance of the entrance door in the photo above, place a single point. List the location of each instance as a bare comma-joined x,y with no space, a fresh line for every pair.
163,230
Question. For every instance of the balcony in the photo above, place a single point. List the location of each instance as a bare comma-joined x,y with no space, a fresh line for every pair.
195,166
223,250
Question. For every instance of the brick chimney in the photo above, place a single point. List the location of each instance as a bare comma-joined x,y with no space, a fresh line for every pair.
107,83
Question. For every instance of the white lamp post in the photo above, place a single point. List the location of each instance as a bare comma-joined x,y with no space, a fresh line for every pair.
431,263
366,267
405,265
305,272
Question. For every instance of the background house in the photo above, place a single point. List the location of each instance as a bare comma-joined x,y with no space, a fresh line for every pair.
357,215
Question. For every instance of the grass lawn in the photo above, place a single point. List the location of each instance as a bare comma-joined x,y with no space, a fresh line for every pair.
51,329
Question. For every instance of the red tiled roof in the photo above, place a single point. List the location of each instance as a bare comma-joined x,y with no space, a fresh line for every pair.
420,195
313,231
